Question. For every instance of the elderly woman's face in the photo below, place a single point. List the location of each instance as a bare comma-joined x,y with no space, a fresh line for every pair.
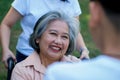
55,40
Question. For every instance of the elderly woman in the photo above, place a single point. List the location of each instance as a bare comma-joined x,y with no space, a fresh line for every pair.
53,40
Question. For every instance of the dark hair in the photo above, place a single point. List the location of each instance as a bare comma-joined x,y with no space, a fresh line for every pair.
110,6
43,22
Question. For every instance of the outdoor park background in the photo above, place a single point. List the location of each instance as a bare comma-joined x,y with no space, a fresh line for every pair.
84,18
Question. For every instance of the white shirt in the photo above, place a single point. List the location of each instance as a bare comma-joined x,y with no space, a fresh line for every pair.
32,10
100,68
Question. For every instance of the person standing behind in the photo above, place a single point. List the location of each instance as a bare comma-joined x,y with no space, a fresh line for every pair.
104,26
28,12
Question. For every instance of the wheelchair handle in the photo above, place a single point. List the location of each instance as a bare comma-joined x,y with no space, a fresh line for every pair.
10,62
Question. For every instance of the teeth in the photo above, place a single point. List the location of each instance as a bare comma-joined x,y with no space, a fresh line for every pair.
56,48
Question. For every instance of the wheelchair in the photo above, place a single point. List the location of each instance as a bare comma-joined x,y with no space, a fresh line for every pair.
11,65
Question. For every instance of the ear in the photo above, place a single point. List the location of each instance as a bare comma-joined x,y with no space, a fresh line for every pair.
95,14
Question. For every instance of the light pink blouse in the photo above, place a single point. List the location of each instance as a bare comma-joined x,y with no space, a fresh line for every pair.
32,69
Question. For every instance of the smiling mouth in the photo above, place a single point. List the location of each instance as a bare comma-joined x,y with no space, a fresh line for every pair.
56,48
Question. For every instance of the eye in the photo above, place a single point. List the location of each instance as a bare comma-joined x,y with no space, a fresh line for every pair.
65,37
53,33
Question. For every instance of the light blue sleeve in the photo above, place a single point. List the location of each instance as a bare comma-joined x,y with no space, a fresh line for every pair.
20,6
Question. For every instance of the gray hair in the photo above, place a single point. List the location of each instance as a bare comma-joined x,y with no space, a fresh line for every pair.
41,26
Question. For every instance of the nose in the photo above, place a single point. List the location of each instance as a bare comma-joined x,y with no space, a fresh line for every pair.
58,41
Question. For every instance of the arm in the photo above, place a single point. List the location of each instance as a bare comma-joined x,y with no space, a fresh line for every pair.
81,47
6,25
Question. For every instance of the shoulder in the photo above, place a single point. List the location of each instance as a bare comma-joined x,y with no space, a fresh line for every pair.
87,65
78,71
18,71
21,72
19,67
23,65
63,69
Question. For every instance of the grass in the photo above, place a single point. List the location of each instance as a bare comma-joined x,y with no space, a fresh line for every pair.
16,31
